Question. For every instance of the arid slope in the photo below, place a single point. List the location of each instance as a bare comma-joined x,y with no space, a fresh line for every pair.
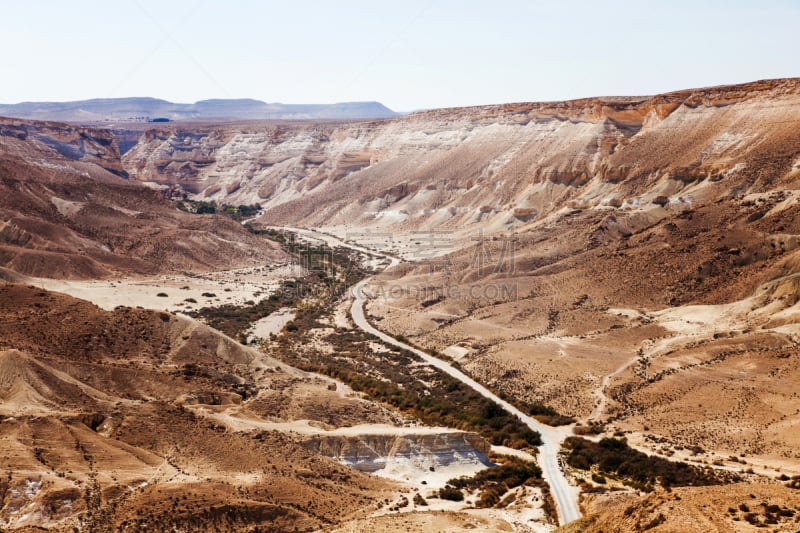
632,261
67,210
489,168
117,420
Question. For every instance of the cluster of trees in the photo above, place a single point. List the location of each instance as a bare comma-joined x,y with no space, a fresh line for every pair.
242,211
202,207
614,457
328,274
451,493
397,379
442,401
547,415
235,320
197,207
493,483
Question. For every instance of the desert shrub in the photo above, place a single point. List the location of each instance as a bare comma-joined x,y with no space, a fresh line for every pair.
547,415
451,493
490,496
317,286
597,478
593,428
752,518
438,400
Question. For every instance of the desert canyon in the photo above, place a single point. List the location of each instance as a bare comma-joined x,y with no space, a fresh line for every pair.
570,316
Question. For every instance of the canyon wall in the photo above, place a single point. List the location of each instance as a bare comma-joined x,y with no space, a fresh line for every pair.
492,167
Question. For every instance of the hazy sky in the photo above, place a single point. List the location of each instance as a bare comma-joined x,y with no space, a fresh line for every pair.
408,55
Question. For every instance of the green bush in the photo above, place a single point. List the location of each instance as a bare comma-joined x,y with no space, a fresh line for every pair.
451,493
494,482
599,479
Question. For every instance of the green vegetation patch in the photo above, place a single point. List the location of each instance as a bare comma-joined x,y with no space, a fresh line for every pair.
401,379
202,207
328,274
494,482
396,377
614,457
546,414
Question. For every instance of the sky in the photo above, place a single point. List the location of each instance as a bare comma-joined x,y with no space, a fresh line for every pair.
409,55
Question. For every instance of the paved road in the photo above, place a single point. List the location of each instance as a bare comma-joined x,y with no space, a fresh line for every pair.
564,494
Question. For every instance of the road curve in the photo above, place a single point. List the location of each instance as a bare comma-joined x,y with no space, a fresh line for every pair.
565,495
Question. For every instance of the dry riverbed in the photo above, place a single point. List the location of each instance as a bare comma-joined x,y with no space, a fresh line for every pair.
177,293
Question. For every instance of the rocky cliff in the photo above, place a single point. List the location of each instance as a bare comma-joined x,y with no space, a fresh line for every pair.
41,142
491,167
425,452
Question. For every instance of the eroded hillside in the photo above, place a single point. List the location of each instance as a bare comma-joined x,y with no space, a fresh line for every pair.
67,210
127,420
630,262
661,298
490,168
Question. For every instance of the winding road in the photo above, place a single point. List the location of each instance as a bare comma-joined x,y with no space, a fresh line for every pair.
564,494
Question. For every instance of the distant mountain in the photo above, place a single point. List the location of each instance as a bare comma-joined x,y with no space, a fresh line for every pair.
142,109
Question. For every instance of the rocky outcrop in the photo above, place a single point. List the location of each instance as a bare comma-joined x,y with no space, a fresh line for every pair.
91,146
424,451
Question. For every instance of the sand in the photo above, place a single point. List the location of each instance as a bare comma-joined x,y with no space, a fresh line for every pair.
270,325
210,289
